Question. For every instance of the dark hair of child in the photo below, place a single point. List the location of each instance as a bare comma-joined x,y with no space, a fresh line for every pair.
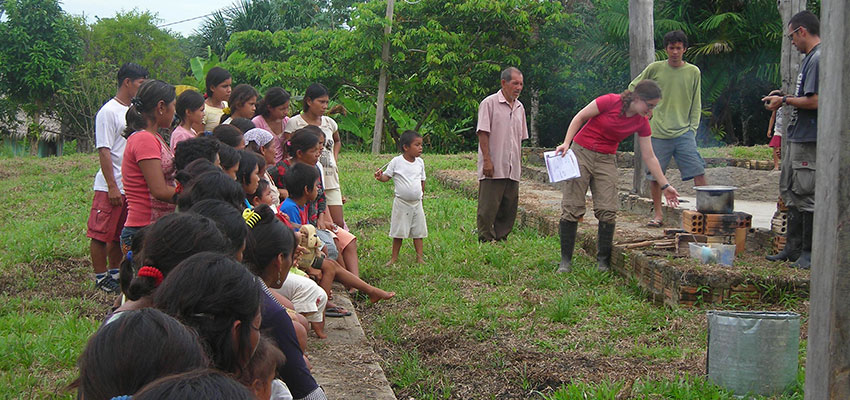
142,106
264,363
172,239
262,187
261,165
407,138
193,149
228,156
131,71
228,134
207,384
119,359
676,36
275,97
189,100
238,97
299,178
214,185
209,292
215,76
249,162
129,265
266,240
228,219
195,169
303,140
313,92
244,124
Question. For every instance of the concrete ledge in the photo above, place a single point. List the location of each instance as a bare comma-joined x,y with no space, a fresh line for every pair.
344,364
663,281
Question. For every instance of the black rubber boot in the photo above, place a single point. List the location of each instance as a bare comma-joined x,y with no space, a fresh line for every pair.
805,260
604,245
568,243
793,237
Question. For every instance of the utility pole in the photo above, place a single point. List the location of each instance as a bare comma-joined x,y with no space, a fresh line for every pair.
382,82
641,54
828,354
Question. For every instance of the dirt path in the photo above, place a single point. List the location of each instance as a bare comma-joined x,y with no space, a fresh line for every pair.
752,184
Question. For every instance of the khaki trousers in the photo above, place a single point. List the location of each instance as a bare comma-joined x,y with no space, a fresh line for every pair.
497,205
599,172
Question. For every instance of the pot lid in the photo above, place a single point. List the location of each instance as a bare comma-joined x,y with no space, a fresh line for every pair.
715,188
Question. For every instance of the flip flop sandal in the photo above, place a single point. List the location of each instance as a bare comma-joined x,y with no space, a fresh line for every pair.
655,223
336,312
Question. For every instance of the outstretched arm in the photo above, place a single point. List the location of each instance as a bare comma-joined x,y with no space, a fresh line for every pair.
589,111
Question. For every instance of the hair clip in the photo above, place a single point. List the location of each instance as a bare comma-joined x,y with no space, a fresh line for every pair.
136,101
288,143
151,272
251,217
124,397
130,256
179,188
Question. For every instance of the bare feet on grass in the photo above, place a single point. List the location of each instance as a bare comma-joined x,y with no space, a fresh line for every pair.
378,294
390,262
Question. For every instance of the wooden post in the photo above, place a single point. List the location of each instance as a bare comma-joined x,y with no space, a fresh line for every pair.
382,82
641,54
828,355
789,64
534,133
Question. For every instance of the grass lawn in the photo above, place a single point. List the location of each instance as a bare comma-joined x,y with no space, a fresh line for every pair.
474,321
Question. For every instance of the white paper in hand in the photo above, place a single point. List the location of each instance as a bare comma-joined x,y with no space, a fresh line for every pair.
561,168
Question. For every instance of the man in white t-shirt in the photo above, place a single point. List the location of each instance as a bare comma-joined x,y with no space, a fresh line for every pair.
109,206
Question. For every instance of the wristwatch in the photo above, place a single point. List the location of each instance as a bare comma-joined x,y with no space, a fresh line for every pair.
666,185
784,100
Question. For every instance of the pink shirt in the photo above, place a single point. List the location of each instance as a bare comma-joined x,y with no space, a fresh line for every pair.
143,208
507,128
180,134
604,132
277,140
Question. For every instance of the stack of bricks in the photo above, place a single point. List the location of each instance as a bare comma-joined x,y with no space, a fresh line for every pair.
778,225
693,222
715,224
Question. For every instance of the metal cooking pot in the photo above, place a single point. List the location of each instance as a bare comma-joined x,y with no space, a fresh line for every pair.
715,199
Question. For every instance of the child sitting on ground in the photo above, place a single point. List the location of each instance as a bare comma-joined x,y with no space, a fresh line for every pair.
408,174
259,377
302,182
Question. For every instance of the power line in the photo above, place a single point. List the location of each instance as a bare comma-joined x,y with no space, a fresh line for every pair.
198,17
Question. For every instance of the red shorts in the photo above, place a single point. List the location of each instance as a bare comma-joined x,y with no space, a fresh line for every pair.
105,220
775,141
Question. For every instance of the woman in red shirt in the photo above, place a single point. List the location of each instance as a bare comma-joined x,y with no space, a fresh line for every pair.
147,167
593,135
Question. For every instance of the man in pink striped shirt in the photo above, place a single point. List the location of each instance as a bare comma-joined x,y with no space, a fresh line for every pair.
501,129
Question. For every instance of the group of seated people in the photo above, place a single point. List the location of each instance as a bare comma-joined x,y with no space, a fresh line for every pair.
218,297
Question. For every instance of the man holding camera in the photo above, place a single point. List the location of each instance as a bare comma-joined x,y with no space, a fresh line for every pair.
797,179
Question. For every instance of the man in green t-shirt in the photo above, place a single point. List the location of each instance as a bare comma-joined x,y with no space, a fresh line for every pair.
676,118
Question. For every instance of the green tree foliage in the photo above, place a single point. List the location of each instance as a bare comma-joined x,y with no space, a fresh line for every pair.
736,44
133,37
109,43
446,57
271,16
40,48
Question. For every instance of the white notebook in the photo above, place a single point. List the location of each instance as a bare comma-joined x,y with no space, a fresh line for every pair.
561,168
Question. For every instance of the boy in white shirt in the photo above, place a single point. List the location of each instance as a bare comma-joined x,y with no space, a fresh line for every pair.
109,206
408,174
